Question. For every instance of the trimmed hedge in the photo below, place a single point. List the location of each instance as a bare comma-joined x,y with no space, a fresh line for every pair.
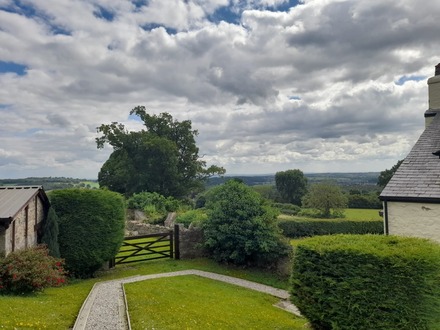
91,227
307,228
352,282
287,208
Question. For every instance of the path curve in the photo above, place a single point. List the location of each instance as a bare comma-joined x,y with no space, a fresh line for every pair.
105,306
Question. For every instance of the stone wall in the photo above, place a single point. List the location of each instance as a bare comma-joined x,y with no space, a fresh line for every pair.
191,241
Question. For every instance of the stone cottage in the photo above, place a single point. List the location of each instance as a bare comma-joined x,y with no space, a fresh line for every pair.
22,210
411,199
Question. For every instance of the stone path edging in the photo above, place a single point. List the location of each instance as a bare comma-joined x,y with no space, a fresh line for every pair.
105,308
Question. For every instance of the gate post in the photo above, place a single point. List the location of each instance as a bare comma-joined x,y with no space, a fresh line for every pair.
177,242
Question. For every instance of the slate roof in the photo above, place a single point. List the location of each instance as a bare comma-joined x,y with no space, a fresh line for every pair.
418,177
14,198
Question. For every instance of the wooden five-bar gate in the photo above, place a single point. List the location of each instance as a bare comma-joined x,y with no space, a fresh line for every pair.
148,247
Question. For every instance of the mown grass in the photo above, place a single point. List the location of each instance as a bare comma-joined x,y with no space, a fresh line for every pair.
350,214
192,302
57,308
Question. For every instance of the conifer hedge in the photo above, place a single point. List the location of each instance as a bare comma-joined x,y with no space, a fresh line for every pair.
91,227
352,282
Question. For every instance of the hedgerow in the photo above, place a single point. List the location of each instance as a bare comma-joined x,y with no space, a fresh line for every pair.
91,227
306,228
351,282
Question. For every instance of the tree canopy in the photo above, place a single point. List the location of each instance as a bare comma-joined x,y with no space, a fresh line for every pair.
162,158
325,197
385,176
292,185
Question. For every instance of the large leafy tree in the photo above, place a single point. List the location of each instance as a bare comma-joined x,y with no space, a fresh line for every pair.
162,158
291,185
385,176
326,197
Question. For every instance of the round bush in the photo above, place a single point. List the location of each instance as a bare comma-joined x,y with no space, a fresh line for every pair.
352,282
91,227
240,229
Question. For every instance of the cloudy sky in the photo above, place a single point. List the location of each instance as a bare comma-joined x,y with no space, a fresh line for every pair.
271,85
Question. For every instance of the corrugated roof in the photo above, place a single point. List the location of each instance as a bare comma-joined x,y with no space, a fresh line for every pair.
418,177
13,198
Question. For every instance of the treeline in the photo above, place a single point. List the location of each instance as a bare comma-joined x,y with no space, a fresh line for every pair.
361,181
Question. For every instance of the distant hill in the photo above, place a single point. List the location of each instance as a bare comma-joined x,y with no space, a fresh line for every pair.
50,183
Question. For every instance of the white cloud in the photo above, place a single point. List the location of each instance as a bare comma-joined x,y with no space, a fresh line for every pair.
311,88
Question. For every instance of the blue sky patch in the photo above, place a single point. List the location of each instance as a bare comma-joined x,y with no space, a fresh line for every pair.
4,106
139,3
134,118
285,6
7,67
151,26
19,8
297,98
405,78
101,12
227,14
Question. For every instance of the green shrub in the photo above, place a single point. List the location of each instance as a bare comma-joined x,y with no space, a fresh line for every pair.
287,208
154,205
240,229
195,217
91,224
311,227
30,270
352,282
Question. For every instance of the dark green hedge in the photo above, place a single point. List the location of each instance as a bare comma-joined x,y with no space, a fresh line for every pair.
352,282
91,227
307,228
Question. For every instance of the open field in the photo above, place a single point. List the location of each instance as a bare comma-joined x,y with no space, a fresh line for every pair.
350,214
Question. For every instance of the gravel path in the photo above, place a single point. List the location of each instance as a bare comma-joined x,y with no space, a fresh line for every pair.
105,307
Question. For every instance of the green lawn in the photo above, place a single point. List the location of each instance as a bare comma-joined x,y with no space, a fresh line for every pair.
193,302
350,214
56,308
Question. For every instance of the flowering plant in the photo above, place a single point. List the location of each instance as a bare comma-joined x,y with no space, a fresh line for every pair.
30,270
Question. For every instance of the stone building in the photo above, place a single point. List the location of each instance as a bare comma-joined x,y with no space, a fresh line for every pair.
411,199
22,210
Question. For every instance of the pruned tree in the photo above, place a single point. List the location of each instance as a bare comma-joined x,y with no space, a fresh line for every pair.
292,185
326,197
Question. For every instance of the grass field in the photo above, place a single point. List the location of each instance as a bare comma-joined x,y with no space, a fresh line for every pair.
350,214
57,308
193,302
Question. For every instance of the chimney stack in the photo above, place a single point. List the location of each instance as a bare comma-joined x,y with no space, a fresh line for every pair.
434,96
